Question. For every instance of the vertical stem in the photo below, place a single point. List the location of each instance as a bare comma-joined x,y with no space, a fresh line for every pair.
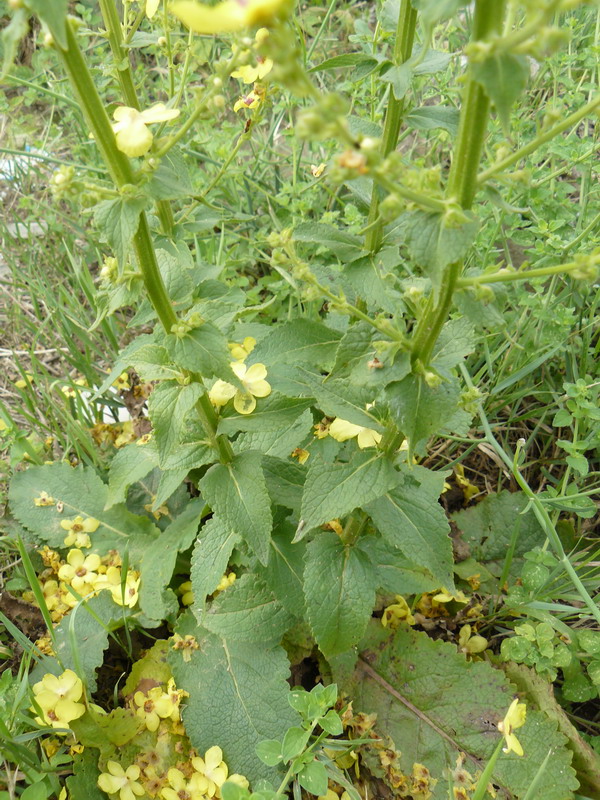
405,34
462,181
120,54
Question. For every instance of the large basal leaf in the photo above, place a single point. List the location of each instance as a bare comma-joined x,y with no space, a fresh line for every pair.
157,600
167,408
434,704
211,555
237,697
422,410
285,481
237,493
247,611
410,518
297,342
284,572
81,492
334,490
339,586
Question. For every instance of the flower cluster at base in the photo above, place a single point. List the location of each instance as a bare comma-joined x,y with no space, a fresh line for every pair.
197,779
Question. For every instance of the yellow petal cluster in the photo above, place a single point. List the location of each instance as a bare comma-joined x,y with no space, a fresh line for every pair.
212,768
241,351
251,100
80,571
254,383
341,431
515,718
396,613
131,131
59,699
251,74
230,15
123,595
122,782
78,531
43,500
156,705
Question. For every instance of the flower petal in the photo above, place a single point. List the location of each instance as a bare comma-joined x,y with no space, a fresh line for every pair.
342,430
135,139
257,372
368,438
260,388
159,113
244,403
222,18
221,393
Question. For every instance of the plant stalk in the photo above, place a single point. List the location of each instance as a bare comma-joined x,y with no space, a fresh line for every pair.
405,34
462,181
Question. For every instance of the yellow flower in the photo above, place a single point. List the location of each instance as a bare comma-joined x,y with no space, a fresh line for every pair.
515,718
341,431
213,768
186,644
187,595
249,74
225,582
121,781
122,382
397,613
157,705
252,100
68,391
133,137
79,529
253,381
194,789
59,697
300,454
317,171
241,351
123,596
23,383
228,16
444,596
469,643
43,500
151,7
80,571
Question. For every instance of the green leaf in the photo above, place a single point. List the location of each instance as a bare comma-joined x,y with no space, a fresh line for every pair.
395,573
337,398
297,342
339,586
82,635
346,60
269,752
171,180
488,527
313,778
284,571
456,341
152,363
176,276
433,246
432,62
237,493
243,682
345,245
273,413
400,78
210,558
434,703
157,600
285,481
130,465
83,493
334,490
118,220
504,76
428,118
278,443
12,34
410,518
167,408
54,14
432,11
421,410
203,350
294,742
84,781
247,611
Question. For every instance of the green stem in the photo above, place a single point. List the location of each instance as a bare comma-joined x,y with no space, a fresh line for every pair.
114,33
506,276
405,34
157,293
418,198
462,181
486,776
570,121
